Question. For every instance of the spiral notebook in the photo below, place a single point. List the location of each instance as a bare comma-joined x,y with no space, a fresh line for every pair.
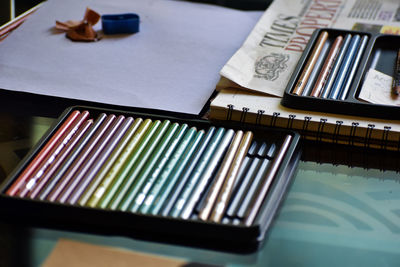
247,107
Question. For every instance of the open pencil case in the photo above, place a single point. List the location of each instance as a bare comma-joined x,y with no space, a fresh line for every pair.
92,175
378,52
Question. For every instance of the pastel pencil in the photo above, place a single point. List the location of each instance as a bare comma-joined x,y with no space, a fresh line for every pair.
176,180
121,163
153,176
327,67
345,67
251,153
53,153
243,169
247,177
69,174
136,169
396,77
153,195
302,81
71,157
196,157
259,173
326,90
147,169
353,68
199,182
33,165
316,70
115,138
106,166
258,198
224,195
220,176
127,165
60,159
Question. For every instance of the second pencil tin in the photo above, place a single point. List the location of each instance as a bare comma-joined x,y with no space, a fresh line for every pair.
230,233
379,53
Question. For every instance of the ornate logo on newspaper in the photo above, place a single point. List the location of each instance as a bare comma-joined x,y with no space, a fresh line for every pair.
269,67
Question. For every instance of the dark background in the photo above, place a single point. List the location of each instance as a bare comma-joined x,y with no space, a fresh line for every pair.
20,6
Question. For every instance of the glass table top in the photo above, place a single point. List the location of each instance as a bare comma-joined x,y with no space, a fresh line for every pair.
342,209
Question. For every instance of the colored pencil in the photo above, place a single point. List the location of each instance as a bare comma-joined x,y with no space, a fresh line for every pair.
327,67
53,153
258,198
158,169
353,68
78,161
343,73
224,195
71,157
153,195
396,79
205,175
127,165
60,159
253,163
332,75
100,176
147,169
33,165
302,81
93,153
195,174
258,175
120,162
316,70
119,197
105,151
220,176
176,180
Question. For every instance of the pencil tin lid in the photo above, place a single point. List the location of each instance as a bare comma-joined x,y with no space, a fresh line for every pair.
120,23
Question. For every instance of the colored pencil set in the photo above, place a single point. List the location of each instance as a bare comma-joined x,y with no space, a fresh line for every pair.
155,167
331,68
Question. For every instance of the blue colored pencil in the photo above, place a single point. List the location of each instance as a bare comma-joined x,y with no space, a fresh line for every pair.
345,67
360,51
335,69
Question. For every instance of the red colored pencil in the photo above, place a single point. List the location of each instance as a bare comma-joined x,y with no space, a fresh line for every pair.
34,164
60,159
38,173
326,69
68,176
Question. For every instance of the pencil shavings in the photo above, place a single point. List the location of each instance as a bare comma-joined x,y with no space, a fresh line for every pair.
81,31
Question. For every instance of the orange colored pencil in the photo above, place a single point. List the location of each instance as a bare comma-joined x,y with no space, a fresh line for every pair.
302,81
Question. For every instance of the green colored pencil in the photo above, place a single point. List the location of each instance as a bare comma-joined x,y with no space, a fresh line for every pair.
196,175
175,175
165,174
122,170
157,163
108,179
140,158
100,175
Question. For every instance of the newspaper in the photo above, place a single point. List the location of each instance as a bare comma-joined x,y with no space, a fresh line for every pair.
270,53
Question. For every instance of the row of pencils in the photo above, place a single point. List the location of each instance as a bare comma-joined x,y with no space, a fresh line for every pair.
330,69
153,167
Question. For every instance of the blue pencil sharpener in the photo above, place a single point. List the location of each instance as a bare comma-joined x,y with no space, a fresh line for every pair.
120,23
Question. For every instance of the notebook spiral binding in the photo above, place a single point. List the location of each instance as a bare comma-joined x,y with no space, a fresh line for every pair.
368,135
320,132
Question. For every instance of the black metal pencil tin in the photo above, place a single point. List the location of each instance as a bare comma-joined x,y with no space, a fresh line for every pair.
379,54
191,232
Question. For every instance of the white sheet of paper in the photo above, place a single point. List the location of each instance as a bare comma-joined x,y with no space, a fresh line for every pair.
377,89
173,63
